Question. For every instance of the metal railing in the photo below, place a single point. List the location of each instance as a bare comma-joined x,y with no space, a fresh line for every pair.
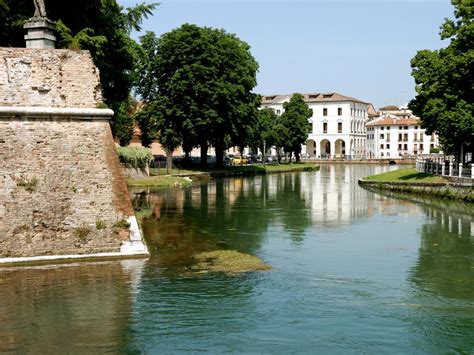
444,166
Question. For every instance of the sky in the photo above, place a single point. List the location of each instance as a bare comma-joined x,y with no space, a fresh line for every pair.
358,48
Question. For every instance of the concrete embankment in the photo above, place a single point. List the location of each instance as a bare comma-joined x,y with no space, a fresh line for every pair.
364,161
437,190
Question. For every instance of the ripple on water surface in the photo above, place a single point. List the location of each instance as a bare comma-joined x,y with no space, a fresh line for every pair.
352,271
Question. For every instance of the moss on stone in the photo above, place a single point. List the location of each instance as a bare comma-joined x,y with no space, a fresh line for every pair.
227,261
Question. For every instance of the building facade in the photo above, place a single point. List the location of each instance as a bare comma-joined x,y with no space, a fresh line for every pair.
338,124
398,136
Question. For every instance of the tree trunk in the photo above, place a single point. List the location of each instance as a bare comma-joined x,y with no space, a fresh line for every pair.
297,157
241,151
186,159
169,160
219,155
203,147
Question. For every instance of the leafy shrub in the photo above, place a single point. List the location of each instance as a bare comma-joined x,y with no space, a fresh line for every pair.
82,233
135,157
29,185
122,224
100,224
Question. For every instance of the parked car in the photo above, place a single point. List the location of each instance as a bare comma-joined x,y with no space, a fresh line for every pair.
239,160
252,158
271,159
211,159
159,157
159,161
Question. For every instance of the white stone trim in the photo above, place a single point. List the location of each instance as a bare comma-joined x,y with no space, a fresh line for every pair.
133,248
57,112
75,257
135,245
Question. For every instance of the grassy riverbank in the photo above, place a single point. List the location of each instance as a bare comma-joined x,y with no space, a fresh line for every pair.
413,182
180,177
406,175
163,181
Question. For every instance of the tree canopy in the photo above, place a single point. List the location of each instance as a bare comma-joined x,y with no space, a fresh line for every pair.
101,26
262,134
200,79
445,83
294,125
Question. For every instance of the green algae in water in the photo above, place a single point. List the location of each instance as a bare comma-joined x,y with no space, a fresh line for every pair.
227,261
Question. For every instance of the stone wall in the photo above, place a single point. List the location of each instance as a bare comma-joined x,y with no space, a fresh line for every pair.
430,190
48,78
60,191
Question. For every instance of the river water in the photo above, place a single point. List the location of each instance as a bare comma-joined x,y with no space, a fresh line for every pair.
352,271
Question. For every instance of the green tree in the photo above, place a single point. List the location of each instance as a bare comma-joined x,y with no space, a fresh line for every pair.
295,126
202,80
445,83
262,134
101,26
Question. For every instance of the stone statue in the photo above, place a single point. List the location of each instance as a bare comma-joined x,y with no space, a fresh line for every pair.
40,8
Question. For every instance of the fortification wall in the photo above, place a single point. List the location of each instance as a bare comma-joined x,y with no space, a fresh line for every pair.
48,78
62,190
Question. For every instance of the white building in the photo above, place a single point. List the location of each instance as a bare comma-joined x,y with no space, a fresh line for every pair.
338,124
400,135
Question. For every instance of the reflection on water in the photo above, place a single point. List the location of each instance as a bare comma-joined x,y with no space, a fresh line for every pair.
445,235
443,279
353,271
70,308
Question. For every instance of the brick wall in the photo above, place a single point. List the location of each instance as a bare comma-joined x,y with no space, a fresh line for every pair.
58,183
48,78
62,189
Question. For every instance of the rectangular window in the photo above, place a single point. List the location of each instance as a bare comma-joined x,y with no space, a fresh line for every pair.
399,137
325,127
388,128
387,146
421,147
325,111
405,137
405,147
399,147
406,127
382,136
388,137
339,111
400,127
381,128
381,146
339,127
278,112
416,127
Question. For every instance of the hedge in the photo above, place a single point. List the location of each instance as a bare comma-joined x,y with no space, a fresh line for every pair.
135,157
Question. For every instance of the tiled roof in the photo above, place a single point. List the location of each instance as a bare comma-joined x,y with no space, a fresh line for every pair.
312,97
390,108
273,99
394,121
